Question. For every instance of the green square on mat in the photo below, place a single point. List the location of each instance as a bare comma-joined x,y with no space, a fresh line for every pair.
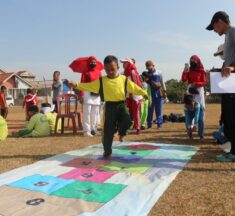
127,167
164,154
90,191
141,153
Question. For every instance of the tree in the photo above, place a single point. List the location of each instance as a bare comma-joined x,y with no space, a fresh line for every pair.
175,90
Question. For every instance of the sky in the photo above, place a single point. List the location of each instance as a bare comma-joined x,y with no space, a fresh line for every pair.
46,35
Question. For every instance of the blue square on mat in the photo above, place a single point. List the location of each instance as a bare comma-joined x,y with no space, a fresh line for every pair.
39,183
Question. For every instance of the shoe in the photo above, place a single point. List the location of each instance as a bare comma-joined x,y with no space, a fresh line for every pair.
226,147
142,128
201,138
107,157
87,134
121,138
159,126
138,132
227,157
95,133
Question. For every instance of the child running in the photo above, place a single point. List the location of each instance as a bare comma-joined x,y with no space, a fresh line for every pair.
194,116
112,89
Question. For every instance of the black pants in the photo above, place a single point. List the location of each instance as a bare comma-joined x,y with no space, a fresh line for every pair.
228,118
56,106
3,113
116,116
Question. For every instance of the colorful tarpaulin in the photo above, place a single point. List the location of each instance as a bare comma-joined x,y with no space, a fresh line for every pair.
83,183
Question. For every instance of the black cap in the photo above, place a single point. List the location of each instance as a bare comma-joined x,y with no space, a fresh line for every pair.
218,15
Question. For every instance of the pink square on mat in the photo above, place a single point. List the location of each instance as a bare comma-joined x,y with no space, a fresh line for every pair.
89,175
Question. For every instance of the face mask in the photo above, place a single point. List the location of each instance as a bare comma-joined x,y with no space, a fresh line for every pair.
92,65
193,65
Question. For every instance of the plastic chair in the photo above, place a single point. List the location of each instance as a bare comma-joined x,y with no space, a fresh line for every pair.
70,112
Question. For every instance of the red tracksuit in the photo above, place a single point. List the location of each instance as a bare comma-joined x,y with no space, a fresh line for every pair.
134,102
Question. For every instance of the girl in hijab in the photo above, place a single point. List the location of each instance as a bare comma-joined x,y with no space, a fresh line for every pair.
195,75
133,101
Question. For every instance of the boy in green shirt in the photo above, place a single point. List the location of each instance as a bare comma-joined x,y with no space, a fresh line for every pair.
38,125
112,89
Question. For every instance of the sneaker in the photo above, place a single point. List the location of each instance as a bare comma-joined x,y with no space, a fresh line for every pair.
95,133
227,157
121,138
142,128
87,134
138,132
226,147
107,157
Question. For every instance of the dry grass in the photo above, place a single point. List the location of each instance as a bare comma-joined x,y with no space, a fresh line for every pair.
205,187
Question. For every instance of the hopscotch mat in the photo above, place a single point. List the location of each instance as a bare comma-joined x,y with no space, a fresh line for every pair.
82,183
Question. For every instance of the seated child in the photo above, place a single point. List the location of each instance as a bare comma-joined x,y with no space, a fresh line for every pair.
3,129
145,102
38,125
112,89
194,116
47,110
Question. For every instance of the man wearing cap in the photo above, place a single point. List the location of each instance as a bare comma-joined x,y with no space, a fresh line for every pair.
220,23
158,91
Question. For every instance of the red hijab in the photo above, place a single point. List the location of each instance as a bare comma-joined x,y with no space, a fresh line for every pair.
200,66
128,72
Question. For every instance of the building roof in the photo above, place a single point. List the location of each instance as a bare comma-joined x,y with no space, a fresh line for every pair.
4,77
26,74
2,71
41,84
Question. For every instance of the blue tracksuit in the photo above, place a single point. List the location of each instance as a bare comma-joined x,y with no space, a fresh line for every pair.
156,100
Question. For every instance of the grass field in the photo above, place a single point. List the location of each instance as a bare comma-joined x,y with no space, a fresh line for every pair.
204,187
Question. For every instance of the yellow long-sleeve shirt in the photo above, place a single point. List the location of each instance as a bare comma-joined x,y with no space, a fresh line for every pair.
113,88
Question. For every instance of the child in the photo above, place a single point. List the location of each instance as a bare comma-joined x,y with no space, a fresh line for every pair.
3,104
57,88
133,101
47,110
38,125
3,129
113,89
30,100
194,116
146,102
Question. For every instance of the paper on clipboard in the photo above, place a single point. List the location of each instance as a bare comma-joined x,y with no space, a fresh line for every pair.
222,85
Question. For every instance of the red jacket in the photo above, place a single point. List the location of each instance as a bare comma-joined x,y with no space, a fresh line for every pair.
195,76
30,100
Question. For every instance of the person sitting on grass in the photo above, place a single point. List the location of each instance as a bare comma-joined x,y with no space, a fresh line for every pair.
47,110
3,129
38,125
194,116
113,89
